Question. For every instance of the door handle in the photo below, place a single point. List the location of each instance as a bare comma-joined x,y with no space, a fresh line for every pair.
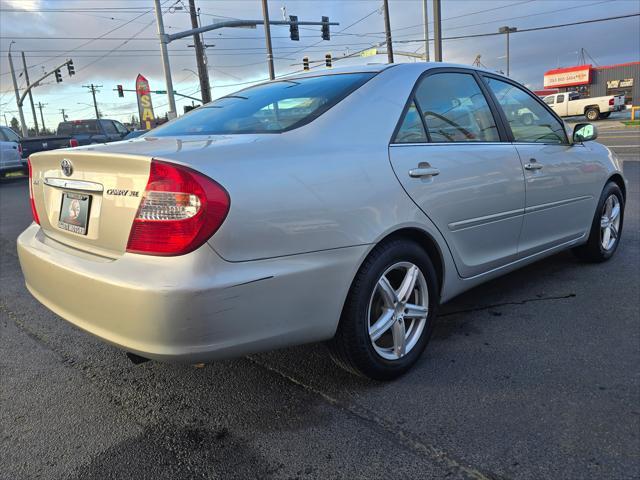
423,171
533,165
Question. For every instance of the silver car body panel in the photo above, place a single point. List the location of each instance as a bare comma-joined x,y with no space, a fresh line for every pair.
307,207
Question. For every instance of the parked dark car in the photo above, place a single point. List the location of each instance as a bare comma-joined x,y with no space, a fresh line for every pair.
87,132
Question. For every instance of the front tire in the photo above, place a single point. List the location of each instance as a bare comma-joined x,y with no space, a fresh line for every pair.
389,313
606,227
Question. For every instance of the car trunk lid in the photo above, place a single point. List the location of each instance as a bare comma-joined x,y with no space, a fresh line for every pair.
89,199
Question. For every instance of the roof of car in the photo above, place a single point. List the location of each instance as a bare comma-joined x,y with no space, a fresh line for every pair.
378,67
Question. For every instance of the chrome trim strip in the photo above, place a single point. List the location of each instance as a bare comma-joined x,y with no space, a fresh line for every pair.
475,222
74,184
545,206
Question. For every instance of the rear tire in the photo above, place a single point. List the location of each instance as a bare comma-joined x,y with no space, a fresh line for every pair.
592,114
606,228
389,313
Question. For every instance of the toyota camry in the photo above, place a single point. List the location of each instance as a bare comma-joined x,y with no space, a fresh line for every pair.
341,206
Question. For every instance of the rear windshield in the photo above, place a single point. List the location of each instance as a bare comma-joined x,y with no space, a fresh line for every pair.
268,108
77,128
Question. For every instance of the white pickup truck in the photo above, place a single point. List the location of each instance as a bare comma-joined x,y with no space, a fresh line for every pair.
569,104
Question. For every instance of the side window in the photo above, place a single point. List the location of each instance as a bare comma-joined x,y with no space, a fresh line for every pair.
108,126
574,96
550,100
455,110
529,121
3,137
121,128
11,135
560,99
412,129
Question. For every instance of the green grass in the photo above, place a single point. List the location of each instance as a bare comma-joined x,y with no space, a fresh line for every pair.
632,123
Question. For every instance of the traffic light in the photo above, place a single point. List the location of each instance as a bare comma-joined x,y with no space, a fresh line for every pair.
325,29
293,28
327,60
71,68
305,63
120,91
58,76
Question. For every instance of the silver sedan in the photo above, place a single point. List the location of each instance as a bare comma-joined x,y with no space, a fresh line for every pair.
341,206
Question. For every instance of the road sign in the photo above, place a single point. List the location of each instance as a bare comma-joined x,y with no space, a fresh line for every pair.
369,53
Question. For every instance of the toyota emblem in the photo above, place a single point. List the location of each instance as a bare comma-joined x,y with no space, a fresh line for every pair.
67,167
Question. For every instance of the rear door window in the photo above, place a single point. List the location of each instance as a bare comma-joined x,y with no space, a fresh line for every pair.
411,130
455,109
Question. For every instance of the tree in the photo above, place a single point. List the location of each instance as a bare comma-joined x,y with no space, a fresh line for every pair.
15,125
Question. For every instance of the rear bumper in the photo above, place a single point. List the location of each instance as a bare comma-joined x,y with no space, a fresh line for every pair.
192,308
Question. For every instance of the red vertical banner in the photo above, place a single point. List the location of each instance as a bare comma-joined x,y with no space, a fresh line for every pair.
145,107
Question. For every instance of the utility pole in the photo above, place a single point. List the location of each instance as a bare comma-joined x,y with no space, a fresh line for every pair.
41,106
507,31
23,125
33,108
267,34
165,61
64,115
203,73
437,32
387,29
425,12
93,89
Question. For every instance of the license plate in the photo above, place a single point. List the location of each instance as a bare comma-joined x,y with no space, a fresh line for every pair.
74,212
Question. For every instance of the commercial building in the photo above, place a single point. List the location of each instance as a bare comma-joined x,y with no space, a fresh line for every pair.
590,81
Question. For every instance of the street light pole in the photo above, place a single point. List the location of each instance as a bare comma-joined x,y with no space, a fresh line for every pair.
267,34
165,60
507,30
23,125
437,32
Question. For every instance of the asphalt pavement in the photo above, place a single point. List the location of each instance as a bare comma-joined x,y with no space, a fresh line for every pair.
532,376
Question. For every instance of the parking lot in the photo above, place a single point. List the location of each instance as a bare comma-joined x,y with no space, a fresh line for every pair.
533,375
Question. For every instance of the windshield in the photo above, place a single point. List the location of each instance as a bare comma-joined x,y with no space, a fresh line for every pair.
268,108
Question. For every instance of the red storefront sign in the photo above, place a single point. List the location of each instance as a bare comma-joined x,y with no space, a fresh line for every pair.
568,77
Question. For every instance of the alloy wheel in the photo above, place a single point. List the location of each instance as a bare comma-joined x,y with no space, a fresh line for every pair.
610,222
398,310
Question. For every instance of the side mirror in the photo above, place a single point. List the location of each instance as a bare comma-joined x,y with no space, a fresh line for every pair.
584,132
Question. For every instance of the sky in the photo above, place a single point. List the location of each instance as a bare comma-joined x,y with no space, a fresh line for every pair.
111,41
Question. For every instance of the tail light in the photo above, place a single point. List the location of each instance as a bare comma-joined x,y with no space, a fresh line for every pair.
34,212
73,143
611,101
179,211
